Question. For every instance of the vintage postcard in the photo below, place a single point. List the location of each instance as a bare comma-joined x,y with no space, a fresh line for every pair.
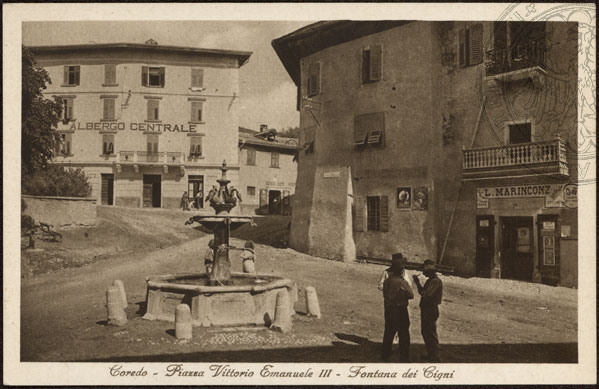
261,194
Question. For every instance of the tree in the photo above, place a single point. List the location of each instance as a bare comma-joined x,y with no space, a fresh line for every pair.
39,117
55,180
290,132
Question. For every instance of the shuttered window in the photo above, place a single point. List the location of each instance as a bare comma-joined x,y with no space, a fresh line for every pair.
195,146
470,45
251,191
372,63
197,111
109,74
109,109
152,143
369,129
65,143
314,79
71,75
153,109
197,78
152,76
377,213
274,159
107,144
67,109
251,157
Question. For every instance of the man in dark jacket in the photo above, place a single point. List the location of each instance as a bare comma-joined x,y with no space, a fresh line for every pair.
397,292
431,295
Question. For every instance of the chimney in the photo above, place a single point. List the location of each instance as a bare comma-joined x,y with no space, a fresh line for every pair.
263,127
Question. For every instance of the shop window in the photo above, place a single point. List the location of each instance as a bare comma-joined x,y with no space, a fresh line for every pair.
197,110
107,144
520,133
377,213
372,63
153,113
251,190
152,76
197,78
470,45
195,147
67,109
64,147
251,157
109,109
152,143
71,75
274,159
109,75
314,79
369,129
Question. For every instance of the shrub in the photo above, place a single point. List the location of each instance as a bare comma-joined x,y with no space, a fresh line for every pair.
57,181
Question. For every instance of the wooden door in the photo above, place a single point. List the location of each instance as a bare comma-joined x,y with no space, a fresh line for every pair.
152,191
517,248
549,248
485,244
107,189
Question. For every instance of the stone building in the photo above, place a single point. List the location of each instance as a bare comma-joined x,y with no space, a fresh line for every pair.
267,171
146,122
454,141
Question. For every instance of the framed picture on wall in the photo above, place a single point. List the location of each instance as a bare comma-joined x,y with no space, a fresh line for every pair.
549,258
404,197
420,202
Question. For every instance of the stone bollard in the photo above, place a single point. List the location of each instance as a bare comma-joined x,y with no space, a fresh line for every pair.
183,322
282,312
114,306
312,307
119,284
294,294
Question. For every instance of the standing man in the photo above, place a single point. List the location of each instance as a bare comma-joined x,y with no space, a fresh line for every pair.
397,292
430,298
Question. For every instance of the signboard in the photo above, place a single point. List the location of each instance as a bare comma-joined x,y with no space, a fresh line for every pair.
121,126
331,174
554,194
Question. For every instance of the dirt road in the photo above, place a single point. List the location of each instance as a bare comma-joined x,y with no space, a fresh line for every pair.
482,320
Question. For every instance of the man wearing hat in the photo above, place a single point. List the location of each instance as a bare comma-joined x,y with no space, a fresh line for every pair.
430,298
397,292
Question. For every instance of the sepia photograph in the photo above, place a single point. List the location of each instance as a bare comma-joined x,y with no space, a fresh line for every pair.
398,196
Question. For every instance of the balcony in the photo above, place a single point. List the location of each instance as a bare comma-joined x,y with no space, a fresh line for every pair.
144,158
522,159
526,60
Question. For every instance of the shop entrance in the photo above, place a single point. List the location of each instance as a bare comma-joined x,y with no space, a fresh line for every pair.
274,202
151,191
516,248
195,191
107,189
485,244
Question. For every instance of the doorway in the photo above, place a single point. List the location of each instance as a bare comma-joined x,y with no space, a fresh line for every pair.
485,244
151,191
107,189
517,248
195,191
274,202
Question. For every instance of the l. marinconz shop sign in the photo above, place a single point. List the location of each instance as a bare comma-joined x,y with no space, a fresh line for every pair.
555,195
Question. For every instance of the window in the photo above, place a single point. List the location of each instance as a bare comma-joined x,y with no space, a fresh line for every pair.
372,63
251,157
369,129
153,111
251,191
274,159
110,74
107,144
197,78
197,108
195,147
519,133
67,109
470,45
152,141
109,104
309,147
516,46
152,76
314,79
65,144
71,75
377,213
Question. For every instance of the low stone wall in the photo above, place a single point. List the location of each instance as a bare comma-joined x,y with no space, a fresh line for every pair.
61,211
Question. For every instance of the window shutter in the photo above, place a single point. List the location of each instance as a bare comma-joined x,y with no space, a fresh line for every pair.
162,76
77,69
462,47
104,146
192,149
110,74
365,65
109,109
149,144
197,78
70,108
156,147
360,209
66,76
144,76
150,112
476,44
111,148
376,62
384,213
199,146
359,131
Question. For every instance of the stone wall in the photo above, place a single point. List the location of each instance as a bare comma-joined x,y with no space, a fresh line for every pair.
61,211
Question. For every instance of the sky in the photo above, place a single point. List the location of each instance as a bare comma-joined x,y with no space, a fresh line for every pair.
268,93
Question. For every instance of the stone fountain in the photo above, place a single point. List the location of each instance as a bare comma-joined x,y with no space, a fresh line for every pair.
222,298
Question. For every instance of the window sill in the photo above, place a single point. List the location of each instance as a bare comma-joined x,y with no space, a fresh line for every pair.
65,155
194,122
194,157
107,155
110,84
196,134
69,85
65,131
275,167
250,164
153,86
108,120
152,132
153,121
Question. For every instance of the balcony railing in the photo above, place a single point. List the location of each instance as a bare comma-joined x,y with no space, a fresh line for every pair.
144,157
517,57
548,156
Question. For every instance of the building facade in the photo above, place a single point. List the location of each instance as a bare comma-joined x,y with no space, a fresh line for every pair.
454,141
267,172
146,122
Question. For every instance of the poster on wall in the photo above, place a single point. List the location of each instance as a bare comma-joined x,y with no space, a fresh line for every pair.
420,198
548,242
549,258
404,197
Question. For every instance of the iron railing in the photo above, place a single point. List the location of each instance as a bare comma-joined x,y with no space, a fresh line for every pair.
176,158
520,56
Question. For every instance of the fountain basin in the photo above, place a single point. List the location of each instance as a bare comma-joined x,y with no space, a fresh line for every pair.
250,301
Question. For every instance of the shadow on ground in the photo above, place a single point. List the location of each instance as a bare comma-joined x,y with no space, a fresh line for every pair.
351,348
